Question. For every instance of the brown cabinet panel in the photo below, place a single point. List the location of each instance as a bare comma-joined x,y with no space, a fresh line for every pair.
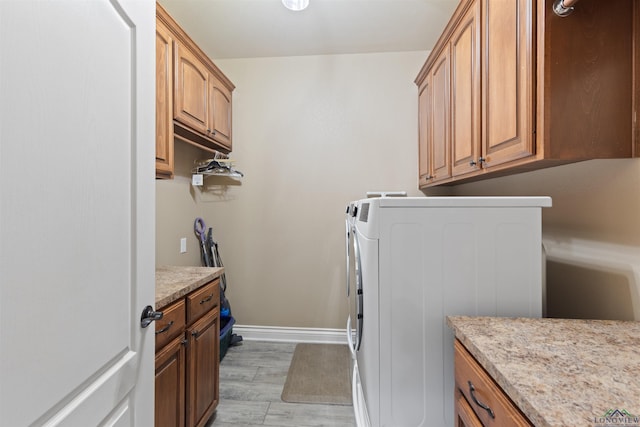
465,417
220,112
507,81
589,84
465,93
440,142
170,385
172,323
202,382
476,386
191,89
203,300
424,132
164,101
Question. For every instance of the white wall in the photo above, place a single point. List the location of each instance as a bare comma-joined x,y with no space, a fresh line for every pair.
176,210
310,134
592,234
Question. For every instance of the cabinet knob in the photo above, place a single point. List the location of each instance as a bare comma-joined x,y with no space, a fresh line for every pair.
472,163
482,160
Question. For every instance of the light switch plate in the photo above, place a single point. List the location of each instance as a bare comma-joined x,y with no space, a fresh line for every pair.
183,245
197,180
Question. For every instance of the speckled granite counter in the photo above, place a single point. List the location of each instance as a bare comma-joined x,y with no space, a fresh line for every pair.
559,372
175,282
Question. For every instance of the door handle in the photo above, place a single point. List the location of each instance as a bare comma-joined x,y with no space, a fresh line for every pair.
149,315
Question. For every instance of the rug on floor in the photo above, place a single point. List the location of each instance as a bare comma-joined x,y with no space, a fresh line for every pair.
319,373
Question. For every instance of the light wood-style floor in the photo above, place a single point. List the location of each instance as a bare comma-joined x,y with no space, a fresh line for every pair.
252,375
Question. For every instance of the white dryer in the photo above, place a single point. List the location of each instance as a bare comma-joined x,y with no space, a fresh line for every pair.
412,262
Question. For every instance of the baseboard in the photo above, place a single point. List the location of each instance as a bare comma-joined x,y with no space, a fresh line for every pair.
285,334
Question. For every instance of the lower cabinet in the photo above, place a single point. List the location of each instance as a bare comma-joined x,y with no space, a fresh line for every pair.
170,385
479,401
202,378
465,417
188,359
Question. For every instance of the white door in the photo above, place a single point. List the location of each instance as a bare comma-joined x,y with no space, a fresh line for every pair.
76,212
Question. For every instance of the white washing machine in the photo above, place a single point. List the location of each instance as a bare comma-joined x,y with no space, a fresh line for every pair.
410,263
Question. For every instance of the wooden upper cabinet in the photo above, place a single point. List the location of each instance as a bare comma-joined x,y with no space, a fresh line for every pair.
164,101
219,112
440,139
193,97
465,93
424,132
191,90
529,89
202,100
507,81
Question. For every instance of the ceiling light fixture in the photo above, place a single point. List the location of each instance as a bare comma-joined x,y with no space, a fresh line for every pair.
295,5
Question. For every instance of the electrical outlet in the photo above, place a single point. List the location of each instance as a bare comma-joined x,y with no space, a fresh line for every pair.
183,245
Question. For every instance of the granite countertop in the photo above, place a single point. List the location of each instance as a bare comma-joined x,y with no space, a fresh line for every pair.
173,282
560,372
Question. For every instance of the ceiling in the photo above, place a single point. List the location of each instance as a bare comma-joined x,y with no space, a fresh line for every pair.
263,28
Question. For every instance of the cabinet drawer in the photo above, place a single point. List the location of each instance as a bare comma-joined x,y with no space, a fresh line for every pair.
172,323
478,388
465,417
202,300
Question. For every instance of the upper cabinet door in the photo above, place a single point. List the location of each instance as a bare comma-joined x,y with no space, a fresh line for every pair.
219,112
440,86
190,92
164,101
424,132
508,71
465,93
